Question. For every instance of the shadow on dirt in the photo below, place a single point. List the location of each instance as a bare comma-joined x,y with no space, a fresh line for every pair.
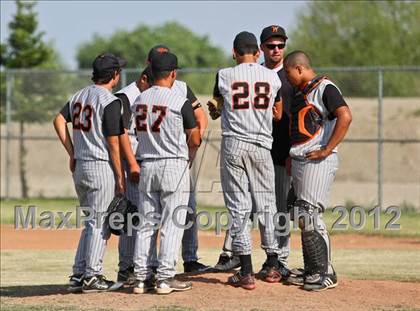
33,290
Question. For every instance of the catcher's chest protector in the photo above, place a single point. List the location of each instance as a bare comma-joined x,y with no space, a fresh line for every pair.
306,120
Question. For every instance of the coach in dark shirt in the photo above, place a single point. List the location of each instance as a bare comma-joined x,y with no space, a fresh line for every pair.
273,41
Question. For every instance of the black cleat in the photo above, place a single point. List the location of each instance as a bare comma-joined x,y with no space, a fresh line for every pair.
296,277
195,266
319,282
75,283
126,277
227,263
99,283
281,268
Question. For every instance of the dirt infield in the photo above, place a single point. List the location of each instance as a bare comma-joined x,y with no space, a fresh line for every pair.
210,291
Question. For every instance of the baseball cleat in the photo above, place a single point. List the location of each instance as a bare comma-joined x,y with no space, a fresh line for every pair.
75,283
227,263
272,275
244,281
319,282
99,283
296,277
142,287
126,277
170,285
284,272
195,266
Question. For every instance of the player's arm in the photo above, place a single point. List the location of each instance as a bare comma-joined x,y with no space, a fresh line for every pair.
338,108
215,104
199,114
112,129
60,125
190,126
278,106
124,141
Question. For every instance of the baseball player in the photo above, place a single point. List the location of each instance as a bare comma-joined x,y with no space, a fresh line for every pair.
250,96
190,237
272,43
166,130
320,119
95,163
126,244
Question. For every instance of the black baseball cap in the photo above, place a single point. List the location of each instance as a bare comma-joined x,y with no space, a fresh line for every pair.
106,64
272,31
245,39
156,51
164,62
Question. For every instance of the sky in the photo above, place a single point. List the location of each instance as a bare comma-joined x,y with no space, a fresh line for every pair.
68,24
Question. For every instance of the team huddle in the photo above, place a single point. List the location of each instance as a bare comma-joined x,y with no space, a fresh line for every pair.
281,124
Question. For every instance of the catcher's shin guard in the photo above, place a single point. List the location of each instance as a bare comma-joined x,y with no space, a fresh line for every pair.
315,252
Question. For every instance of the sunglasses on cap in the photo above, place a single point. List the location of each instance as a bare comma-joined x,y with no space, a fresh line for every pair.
273,46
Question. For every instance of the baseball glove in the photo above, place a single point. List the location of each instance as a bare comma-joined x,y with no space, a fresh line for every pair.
120,204
215,107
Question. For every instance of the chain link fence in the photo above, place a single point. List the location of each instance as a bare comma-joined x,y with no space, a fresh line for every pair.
378,159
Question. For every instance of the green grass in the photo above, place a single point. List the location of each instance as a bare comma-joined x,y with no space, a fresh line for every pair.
34,267
409,220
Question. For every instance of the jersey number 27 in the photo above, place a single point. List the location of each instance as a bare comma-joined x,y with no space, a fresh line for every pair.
141,117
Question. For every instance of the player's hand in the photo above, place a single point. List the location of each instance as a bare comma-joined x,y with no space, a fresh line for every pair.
318,154
135,173
72,164
120,186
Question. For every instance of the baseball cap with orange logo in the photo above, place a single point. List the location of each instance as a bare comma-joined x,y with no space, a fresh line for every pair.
272,31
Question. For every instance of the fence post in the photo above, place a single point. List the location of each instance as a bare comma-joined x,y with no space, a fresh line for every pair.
9,86
380,136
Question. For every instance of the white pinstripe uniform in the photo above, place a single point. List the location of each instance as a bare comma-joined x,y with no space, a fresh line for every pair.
126,243
312,180
164,178
282,186
93,177
247,172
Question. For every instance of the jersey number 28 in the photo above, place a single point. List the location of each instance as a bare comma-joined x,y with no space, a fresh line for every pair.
240,95
141,117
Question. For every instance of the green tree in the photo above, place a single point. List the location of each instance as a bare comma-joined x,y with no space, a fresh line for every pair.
35,95
362,33
193,51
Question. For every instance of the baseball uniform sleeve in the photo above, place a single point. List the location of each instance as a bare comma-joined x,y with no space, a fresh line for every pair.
216,91
126,109
112,120
190,95
332,98
65,112
188,116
